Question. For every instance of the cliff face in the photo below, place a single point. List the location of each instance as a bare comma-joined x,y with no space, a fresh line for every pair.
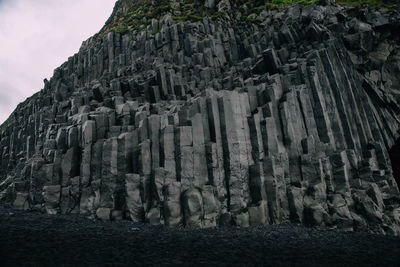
247,117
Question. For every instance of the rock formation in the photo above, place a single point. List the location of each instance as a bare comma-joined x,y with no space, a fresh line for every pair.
243,116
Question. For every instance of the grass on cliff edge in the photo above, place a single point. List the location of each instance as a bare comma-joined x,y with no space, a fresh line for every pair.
390,4
139,16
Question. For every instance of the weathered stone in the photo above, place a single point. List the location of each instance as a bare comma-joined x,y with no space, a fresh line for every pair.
21,201
315,214
366,207
73,137
70,165
295,197
154,131
341,213
153,216
37,181
145,158
210,206
109,173
200,171
103,214
271,61
169,149
89,132
172,206
71,196
258,215
204,123
86,201
64,199
117,215
184,136
257,189
242,220
51,195
133,197
375,194
61,139
192,207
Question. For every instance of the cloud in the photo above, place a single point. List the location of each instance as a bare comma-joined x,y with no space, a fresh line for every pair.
38,36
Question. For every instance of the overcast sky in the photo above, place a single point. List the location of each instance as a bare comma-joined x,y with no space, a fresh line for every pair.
36,36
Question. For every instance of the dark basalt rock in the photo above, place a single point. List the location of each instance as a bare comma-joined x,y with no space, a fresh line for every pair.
208,123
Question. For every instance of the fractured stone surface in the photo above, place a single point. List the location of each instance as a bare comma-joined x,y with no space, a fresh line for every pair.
205,124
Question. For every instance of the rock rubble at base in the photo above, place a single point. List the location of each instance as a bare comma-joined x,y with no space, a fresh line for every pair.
206,123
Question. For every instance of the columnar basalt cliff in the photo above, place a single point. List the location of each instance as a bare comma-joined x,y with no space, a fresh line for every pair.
243,116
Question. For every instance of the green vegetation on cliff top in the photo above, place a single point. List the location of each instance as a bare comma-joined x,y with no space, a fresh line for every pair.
140,15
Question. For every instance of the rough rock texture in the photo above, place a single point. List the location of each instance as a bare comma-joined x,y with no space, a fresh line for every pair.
212,123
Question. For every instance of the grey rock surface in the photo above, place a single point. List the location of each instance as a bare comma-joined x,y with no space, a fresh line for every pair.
208,123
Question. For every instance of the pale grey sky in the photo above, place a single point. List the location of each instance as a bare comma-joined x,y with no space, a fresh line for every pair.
36,36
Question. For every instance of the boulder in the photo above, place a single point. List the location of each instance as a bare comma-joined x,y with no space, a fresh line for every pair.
51,196
192,203
103,214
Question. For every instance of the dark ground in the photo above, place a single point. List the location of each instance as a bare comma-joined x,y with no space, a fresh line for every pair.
34,239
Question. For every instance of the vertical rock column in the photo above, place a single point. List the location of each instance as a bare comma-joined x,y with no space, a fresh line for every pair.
200,172
108,178
184,156
217,154
234,152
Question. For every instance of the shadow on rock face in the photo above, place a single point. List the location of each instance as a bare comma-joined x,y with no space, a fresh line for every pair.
394,154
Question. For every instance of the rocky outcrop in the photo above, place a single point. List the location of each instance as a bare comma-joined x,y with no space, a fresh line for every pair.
287,117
